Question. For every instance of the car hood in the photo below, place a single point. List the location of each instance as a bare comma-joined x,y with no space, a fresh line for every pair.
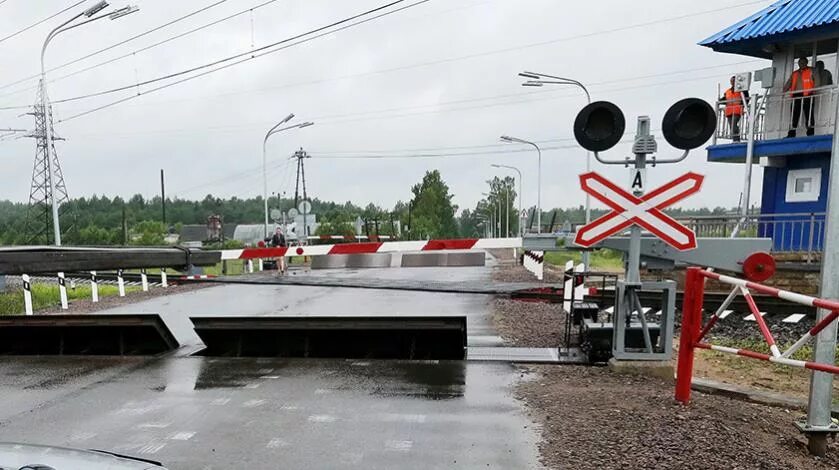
16,455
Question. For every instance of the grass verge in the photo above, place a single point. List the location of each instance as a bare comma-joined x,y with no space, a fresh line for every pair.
47,295
603,258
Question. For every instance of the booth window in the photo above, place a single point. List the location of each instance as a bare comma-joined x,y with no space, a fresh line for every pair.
804,185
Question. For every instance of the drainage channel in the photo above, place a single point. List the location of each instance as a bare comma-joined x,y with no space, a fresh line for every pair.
343,337
381,337
97,335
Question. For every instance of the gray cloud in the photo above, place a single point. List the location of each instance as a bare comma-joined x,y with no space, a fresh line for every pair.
211,128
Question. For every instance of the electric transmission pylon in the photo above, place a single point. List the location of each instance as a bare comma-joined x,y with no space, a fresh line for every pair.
39,224
300,155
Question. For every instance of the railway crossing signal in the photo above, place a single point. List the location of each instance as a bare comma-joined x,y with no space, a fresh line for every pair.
598,127
644,211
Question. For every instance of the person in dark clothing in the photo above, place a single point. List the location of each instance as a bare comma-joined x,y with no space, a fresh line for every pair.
825,77
278,240
800,88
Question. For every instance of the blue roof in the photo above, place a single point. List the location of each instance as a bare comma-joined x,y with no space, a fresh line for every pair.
778,22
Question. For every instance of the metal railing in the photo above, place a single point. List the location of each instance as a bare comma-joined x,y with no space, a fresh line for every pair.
776,113
802,233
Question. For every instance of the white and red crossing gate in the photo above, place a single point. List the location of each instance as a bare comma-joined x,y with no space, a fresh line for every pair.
645,211
373,247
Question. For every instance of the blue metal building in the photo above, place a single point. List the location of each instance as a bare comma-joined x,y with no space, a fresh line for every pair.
795,156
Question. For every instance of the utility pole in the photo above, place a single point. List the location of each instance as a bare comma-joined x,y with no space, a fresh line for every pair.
301,155
163,196
124,226
410,210
819,423
271,132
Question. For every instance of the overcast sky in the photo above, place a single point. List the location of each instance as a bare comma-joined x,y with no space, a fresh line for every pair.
434,79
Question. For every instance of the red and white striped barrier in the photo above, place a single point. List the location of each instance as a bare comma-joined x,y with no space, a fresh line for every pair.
693,332
373,247
571,290
197,276
351,238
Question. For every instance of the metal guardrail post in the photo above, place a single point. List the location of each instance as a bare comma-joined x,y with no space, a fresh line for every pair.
163,281
120,283
62,289
27,294
691,324
94,287
812,234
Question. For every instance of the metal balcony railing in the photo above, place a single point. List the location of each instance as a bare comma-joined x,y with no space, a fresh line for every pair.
776,113
800,233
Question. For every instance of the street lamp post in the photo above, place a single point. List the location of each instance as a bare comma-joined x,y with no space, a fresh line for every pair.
498,218
537,80
506,138
494,165
45,103
493,216
271,132
507,208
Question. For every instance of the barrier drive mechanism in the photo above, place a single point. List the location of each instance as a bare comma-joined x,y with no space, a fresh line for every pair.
694,332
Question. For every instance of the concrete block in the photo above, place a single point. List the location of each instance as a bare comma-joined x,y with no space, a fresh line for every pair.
660,369
360,260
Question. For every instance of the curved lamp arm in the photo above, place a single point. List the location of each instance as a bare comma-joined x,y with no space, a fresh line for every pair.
656,161
610,162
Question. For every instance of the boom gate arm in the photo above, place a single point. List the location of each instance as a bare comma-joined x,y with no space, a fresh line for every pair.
728,254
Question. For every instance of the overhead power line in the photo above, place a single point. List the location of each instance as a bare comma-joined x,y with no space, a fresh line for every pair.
251,52
247,173
336,153
510,49
137,36
250,55
3,39
145,33
532,96
445,154
435,62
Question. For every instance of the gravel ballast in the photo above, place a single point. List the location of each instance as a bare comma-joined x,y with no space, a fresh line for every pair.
529,324
517,273
593,418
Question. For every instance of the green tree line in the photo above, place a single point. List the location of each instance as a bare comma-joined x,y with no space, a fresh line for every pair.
429,213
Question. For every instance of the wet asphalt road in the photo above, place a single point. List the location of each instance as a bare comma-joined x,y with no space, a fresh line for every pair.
211,413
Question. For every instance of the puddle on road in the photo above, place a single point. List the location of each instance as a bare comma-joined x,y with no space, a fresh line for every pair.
48,373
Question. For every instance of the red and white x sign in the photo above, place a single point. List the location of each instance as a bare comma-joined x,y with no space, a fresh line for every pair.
644,211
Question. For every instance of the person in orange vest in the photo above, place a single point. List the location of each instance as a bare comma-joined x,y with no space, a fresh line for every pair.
800,86
734,109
